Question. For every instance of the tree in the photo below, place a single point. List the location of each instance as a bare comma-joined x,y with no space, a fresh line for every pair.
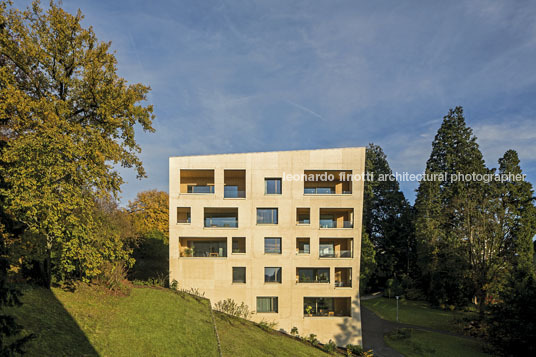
387,221
150,214
68,120
445,209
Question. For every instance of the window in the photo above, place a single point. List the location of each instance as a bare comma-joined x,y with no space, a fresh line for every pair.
327,306
272,275
203,247
221,217
272,186
267,304
272,245
312,275
239,245
184,215
343,277
266,215
303,216
303,246
239,275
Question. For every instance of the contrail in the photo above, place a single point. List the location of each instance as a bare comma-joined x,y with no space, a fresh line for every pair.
305,109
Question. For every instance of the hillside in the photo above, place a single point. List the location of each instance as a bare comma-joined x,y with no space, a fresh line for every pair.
148,322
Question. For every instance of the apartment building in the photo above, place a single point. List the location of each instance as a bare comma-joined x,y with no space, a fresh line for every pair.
279,231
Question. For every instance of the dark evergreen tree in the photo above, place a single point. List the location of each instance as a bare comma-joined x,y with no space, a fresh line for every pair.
445,212
387,221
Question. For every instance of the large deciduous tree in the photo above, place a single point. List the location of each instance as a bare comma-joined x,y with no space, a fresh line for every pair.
68,121
150,214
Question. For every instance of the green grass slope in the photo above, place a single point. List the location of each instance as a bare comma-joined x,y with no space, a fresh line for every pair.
240,337
89,322
148,322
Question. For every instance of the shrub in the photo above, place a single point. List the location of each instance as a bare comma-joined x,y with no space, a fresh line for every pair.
174,285
294,331
357,350
329,347
312,339
267,326
113,276
230,307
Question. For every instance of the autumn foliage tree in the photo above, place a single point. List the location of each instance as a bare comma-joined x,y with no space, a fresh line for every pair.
150,214
68,121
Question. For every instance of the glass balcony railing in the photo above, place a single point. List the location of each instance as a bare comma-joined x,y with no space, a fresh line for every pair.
225,222
232,192
323,191
200,189
334,224
336,254
343,284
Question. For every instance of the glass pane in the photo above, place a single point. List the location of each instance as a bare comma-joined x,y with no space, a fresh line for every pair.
272,275
273,186
267,215
239,274
272,245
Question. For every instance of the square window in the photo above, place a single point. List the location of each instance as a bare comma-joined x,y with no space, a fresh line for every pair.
239,245
267,304
272,245
267,215
272,275
184,215
239,275
272,186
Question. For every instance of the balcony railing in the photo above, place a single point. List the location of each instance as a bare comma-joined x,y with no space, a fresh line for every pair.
338,254
200,189
231,193
335,224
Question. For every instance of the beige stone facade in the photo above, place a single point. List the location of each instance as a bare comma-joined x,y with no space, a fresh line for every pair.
242,226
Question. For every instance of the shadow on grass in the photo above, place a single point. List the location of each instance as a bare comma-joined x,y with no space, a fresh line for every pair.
152,260
56,332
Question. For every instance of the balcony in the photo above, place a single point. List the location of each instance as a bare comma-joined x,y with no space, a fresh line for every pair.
203,247
336,248
197,181
303,245
343,277
234,184
336,218
327,306
303,216
327,182
312,275
221,217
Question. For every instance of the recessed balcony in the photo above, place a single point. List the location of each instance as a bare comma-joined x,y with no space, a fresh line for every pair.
336,218
203,247
219,217
234,184
336,248
343,277
327,306
312,275
197,181
327,182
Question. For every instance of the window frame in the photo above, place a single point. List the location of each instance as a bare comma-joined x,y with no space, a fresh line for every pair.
280,245
276,209
277,273
267,179
274,304
233,275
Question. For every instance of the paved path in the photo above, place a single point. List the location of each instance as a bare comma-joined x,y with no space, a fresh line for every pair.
374,328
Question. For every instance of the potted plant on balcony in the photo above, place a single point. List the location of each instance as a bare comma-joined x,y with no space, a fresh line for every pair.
309,310
189,252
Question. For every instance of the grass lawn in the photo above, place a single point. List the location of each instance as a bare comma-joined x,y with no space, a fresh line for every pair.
148,322
424,343
240,337
415,313
89,322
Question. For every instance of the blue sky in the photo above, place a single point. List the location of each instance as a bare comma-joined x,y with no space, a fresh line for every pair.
239,76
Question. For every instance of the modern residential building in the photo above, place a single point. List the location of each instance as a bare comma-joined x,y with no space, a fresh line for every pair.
250,228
